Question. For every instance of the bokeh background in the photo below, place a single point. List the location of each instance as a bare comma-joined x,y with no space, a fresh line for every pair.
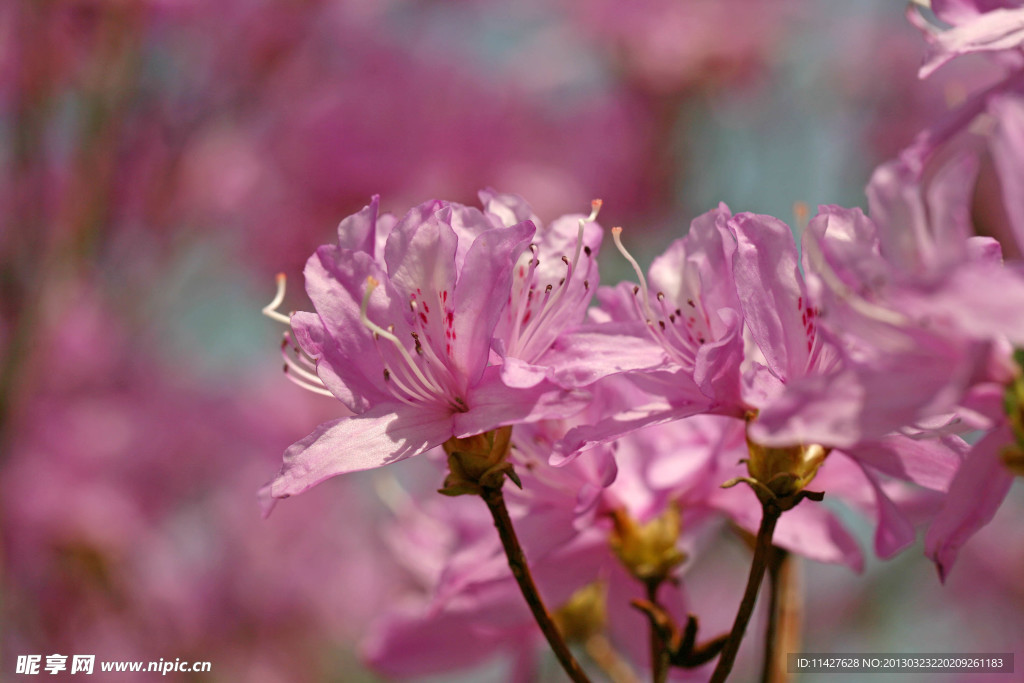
162,160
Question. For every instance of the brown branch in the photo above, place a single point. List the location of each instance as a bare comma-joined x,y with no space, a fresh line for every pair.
762,553
659,654
521,571
785,616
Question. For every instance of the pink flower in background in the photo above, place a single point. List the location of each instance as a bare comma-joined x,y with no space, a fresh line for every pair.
667,47
977,26
402,335
562,517
125,538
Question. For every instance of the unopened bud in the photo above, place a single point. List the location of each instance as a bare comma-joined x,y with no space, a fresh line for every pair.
785,470
477,462
649,551
1013,404
584,614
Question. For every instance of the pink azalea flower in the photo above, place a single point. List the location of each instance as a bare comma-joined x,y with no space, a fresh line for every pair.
561,516
402,334
783,321
842,260
925,339
978,26
677,334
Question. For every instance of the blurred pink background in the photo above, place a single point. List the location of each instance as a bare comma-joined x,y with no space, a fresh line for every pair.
162,160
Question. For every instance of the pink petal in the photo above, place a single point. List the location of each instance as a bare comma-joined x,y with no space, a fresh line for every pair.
1007,146
894,532
716,368
772,293
619,424
869,400
519,374
384,434
420,252
974,496
492,404
367,230
923,225
509,207
588,353
468,223
979,300
810,529
314,340
334,281
482,293
931,463
999,29
844,242
960,11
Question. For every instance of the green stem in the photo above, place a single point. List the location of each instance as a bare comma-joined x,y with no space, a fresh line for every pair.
521,571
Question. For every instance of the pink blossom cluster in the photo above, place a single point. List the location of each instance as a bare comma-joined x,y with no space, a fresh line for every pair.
883,347
138,137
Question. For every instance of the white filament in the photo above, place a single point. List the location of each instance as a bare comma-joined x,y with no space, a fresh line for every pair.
270,310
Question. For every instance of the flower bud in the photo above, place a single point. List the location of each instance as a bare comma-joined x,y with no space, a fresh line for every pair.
1013,404
649,550
784,470
478,461
584,614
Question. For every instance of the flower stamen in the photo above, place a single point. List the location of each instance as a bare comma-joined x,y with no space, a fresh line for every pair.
270,310
417,386
552,298
645,299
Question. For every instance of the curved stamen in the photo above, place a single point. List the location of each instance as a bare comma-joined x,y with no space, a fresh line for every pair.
371,284
855,300
270,310
305,384
300,369
397,381
616,237
523,297
540,320
416,385
294,366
